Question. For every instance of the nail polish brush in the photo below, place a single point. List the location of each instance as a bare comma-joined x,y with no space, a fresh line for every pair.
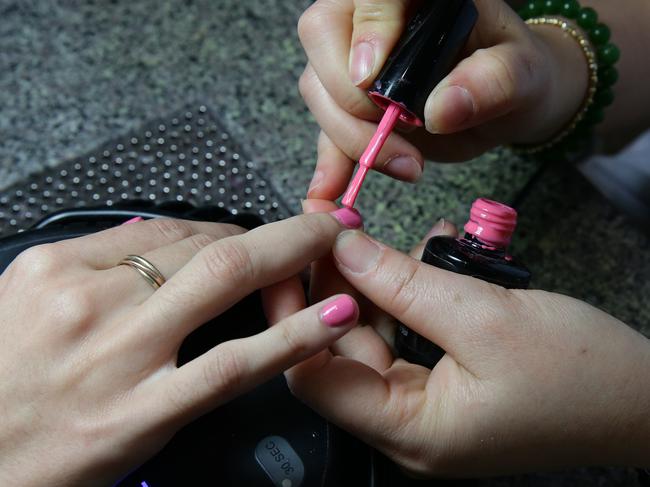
424,55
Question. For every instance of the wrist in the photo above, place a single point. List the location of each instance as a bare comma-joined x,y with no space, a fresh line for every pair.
567,86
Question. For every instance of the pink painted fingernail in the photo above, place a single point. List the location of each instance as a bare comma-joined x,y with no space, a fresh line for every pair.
362,62
340,312
348,217
133,220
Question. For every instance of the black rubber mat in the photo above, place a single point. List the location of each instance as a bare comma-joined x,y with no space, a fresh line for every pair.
185,157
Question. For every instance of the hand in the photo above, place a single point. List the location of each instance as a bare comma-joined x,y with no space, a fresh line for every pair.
531,380
515,85
89,386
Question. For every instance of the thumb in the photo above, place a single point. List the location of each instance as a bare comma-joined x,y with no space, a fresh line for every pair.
377,25
490,83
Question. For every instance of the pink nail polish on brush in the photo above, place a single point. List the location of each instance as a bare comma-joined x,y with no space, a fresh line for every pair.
424,56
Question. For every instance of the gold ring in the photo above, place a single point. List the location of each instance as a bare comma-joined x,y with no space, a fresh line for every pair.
146,269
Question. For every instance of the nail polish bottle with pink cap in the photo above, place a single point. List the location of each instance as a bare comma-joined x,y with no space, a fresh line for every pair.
481,253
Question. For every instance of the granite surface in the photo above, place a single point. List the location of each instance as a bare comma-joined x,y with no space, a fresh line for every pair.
76,73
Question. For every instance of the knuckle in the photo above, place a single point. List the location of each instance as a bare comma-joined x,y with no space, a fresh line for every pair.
171,229
512,75
225,373
201,240
355,102
229,259
310,21
495,316
403,292
315,226
377,11
306,84
524,68
292,340
71,307
39,262
503,86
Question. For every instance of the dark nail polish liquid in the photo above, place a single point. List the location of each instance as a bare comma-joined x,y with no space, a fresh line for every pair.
481,253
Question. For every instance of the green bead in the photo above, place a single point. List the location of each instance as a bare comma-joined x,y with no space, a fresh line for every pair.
609,54
570,9
600,34
552,6
587,18
604,98
533,8
607,76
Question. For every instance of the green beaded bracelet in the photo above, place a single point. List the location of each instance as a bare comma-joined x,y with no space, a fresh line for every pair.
607,55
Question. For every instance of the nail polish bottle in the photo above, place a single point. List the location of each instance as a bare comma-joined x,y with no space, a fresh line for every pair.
481,253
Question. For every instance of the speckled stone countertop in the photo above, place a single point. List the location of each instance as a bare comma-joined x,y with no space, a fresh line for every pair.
74,74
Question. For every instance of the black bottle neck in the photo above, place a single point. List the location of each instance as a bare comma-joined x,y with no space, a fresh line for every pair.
483,248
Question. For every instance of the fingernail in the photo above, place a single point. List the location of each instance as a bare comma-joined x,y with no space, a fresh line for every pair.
362,62
437,229
355,251
133,220
405,168
454,106
340,312
316,181
348,217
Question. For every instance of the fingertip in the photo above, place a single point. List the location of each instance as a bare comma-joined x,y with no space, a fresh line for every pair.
449,109
442,227
340,312
404,168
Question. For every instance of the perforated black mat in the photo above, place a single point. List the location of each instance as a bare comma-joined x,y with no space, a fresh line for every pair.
185,157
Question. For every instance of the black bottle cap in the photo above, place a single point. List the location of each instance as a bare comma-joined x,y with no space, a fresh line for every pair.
425,54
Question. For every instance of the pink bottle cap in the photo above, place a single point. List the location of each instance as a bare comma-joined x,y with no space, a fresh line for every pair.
491,222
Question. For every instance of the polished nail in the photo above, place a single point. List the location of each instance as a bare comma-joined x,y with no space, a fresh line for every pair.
362,62
348,217
316,181
340,312
456,105
133,220
405,168
355,251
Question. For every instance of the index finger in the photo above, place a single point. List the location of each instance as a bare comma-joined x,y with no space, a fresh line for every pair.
104,249
226,271
325,30
447,308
